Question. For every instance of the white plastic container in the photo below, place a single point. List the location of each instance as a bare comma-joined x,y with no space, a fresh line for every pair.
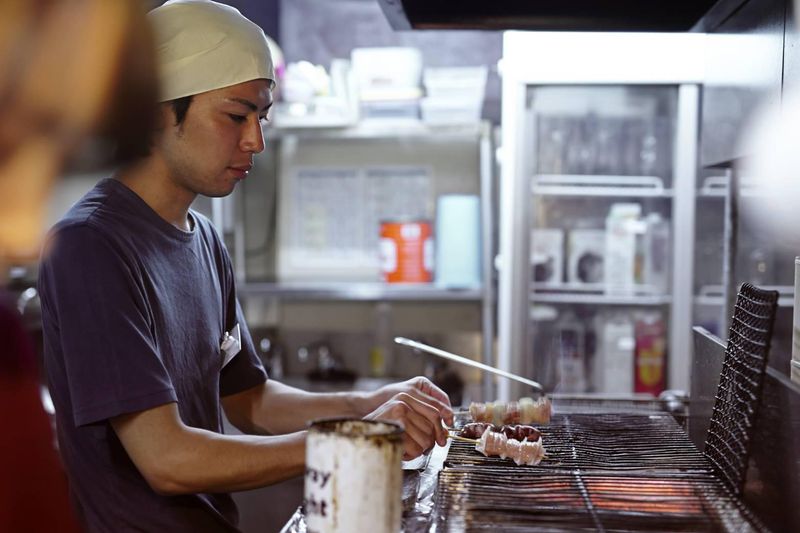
458,241
460,83
614,362
448,111
571,354
354,477
547,255
657,254
387,73
586,256
622,225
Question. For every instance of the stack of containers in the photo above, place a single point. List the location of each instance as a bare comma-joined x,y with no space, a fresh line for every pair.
388,81
454,95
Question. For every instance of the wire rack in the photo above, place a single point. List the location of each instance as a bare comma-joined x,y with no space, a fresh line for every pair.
738,396
603,472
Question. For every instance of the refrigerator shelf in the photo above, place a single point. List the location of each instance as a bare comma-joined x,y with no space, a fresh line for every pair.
604,186
717,187
599,298
713,295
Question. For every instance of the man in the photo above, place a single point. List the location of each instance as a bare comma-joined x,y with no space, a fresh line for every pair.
141,316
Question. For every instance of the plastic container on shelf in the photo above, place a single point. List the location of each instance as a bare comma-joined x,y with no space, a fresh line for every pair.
458,241
547,255
614,371
657,247
572,360
448,111
622,226
462,83
586,256
387,73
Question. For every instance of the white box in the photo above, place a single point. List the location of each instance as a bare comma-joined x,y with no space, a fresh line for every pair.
547,255
467,83
622,226
586,256
387,73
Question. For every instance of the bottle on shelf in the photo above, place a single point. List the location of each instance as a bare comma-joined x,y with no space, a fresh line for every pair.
651,352
571,354
656,254
614,371
622,226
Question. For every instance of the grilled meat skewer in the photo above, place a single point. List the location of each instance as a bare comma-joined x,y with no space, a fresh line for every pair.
493,443
525,411
474,430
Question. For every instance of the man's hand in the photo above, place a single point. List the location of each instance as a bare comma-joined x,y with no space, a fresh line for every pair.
419,406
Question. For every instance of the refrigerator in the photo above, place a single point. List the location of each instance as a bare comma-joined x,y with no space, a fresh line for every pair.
597,205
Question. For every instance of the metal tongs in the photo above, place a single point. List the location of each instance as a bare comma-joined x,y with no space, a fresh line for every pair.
465,361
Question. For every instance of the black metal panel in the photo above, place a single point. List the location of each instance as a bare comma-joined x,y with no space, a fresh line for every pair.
791,51
709,351
773,480
744,69
572,15
772,489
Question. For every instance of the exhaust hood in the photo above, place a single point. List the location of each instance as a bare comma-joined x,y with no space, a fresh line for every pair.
546,15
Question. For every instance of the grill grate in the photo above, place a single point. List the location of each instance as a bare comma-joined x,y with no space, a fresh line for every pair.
603,472
739,392
608,441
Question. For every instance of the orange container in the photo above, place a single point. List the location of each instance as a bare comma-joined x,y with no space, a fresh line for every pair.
406,249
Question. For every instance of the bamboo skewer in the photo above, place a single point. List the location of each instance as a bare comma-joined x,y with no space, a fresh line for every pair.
463,439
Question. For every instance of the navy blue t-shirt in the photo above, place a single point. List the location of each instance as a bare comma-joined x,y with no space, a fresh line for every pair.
134,312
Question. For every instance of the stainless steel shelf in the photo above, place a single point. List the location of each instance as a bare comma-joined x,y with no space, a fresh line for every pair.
599,298
712,295
365,292
717,187
384,129
603,186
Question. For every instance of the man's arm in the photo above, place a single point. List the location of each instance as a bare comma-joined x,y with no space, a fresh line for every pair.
178,459
274,408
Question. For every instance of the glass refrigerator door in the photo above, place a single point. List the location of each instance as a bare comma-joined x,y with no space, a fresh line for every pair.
756,256
601,235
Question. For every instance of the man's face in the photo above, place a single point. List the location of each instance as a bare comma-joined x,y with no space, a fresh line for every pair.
213,148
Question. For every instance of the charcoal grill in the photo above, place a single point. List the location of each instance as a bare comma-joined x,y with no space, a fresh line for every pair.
604,471
626,471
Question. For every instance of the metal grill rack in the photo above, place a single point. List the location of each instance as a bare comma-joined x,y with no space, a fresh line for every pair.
739,393
603,472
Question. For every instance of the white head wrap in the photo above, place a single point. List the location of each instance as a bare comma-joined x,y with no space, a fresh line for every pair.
203,45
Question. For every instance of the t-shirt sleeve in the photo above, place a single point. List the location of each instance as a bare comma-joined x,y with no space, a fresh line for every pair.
111,360
245,370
